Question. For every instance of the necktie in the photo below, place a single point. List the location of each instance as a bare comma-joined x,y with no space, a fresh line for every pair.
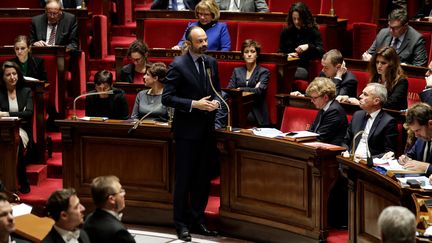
201,69
51,40
174,5
395,43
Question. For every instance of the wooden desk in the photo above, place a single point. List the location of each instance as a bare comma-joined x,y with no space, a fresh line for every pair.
369,192
9,141
241,104
32,227
143,161
276,188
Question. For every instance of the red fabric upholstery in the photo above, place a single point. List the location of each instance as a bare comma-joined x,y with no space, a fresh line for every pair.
20,4
353,10
233,32
120,42
427,36
13,27
130,98
323,31
164,33
284,5
265,33
297,119
362,78
363,35
100,34
415,87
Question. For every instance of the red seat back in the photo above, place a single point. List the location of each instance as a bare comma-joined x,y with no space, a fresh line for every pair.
233,32
427,37
164,33
415,87
362,78
353,10
13,27
363,35
284,5
297,119
267,34
20,4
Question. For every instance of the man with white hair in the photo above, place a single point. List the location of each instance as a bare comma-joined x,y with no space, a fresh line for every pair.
397,225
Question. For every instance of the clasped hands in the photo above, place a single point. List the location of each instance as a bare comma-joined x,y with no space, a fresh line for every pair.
206,104
299,50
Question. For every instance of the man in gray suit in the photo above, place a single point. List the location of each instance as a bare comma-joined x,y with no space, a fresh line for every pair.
243,5
408,43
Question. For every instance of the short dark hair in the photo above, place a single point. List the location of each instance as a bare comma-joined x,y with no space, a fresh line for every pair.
399,14
251,43
58,202
157,69
102,188
9,64
103,76
188,32
138,46
420,113
334,56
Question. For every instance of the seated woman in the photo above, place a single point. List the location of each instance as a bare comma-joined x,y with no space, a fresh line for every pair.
385,68
207,12
134,72
30,66
301,39
113,106
252,78
149,102
16,100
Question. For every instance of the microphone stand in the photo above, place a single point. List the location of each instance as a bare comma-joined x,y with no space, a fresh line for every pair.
353,144
137,123
74,116
228,127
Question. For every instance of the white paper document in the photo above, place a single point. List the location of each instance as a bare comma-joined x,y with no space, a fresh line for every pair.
266,132
424,181
388,164
21,209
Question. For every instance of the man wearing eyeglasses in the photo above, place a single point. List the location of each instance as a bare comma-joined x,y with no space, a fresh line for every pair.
104,224
54,27
408,43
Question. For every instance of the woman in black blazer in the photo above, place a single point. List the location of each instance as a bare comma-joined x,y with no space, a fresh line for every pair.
16,101
134,72
30,66
252,78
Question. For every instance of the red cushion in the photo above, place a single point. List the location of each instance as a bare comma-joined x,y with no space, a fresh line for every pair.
363,35
232,29
362,78
415,87
164,33
267,34
323,31
297,119
100,34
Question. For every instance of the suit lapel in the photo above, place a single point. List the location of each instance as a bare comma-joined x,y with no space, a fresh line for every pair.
375,124
59,29
197,82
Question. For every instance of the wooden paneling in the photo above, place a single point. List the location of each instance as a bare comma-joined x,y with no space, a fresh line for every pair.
9,141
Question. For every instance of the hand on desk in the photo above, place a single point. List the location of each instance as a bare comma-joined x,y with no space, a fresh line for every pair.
296,93
411,164
388,155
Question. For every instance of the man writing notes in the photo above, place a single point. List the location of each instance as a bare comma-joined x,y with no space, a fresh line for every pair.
188,89
408,43
372,128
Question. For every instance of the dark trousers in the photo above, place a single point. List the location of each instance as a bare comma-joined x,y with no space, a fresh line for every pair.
192,182
21,167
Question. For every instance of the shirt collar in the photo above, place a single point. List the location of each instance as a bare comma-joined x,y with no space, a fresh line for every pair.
374,114
327,105
195,56
113,213
67,235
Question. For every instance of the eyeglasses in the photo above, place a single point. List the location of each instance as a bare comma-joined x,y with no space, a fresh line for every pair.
136,59
51,14
396,28
122,192
314,98
204,14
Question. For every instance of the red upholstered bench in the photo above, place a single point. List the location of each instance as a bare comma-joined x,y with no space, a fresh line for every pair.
362,78
284,5
266,33
297,119
363,35
164,33
12,27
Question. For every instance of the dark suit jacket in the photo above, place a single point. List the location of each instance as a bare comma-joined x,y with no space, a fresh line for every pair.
382,136
426,96
19,240
35,68
262,75
113,107
127,73
101,226
182,85
346,86
66,34
332,124
25,107
397,98
245,5
163,4
54,237
416,153
411,51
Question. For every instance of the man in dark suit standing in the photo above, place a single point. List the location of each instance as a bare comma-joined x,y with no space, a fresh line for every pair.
54,27
419,121
175,4
68,213
331,122
104,224
372,128
188,89
408,43
426,94
7,222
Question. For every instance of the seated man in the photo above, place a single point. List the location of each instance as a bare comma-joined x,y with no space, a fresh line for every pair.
331,122
68,213
7,222
243,5
54,27
334,68
408,43
426,94
419,121
104,225
174,4
397,224
372,129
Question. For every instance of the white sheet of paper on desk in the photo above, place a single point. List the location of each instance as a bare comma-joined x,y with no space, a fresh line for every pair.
303,134
21,209
422,179
388,164
9,118
267,132
88,118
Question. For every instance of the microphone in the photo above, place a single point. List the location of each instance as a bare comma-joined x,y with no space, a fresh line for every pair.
369,160
74,116
137,123
209,73
353,143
